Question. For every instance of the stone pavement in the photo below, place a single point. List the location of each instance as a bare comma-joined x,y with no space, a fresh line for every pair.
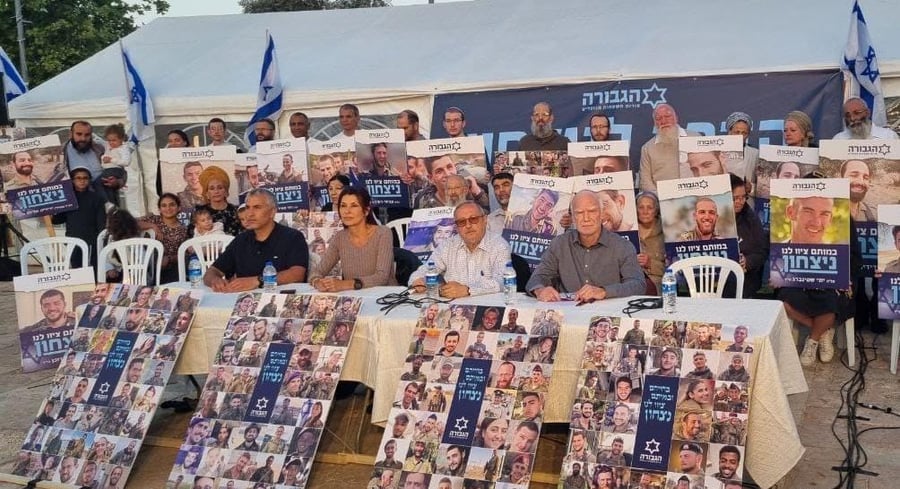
21,394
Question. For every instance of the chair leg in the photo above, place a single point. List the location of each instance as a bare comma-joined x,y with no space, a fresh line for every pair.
850,330
895,345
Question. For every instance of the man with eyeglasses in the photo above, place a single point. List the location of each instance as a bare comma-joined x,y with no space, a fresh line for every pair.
599,126
455,122
587,261
543,137
470,263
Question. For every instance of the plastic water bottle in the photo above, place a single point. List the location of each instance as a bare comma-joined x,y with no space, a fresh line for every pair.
270,277
509,284
194,274
669,291
432,281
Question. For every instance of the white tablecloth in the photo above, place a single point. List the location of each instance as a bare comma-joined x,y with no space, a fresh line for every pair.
380,344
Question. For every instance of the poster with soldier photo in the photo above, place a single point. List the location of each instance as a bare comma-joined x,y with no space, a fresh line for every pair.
665,405
35,178
779,162
810,233
45,309
444,157
269,391
428,228
698,218
545,163
470,402
326,160
92,424
596,157
382,164
872,167
286,160
616,193
709,155
180,170
889,261
538,210
318,227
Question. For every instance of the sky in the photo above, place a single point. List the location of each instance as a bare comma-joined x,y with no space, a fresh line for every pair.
181,8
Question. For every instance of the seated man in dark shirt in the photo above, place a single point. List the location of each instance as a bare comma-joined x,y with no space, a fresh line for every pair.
241,264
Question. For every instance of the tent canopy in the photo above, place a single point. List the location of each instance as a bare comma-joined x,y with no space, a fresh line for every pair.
195,66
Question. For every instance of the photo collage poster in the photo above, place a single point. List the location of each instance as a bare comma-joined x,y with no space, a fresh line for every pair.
889,261
104,395
616,194
542,163
427,229
470,402
180,170
318,227
383,169
597,157
440,158
698,218
538,205
779,162
709,155
659,402
810,233
268,394
282,164
45,310
871,166
35,177
326,160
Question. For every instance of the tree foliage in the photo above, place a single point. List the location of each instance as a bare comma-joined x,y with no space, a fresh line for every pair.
61,33
262,6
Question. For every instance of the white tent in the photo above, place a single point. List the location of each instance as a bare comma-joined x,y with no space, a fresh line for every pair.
389,59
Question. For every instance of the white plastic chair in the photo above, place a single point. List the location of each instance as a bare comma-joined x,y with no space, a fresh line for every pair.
136,255
103,237
706,275
53,254
400,226
207,248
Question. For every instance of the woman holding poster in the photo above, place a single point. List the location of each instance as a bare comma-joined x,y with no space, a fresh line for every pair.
363,248
652,257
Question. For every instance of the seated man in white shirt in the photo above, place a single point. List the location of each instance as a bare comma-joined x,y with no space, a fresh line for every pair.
472,262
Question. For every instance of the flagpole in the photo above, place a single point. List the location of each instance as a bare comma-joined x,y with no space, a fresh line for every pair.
137,153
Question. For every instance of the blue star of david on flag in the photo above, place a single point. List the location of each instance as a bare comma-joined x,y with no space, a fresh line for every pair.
860,65
140,106
269,98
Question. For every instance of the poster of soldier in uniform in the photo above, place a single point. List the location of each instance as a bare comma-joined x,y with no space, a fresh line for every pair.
180,170
698,217
35,178
381,155
445,157
538,211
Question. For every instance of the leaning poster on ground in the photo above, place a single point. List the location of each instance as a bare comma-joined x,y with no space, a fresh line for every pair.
382,164
327,159
286,159
427,229
616,194
779,162
538,208
667,404
889,261
872,167
45,309
35,178
810,233
698,217
91,425
596,157
709,155
180,170
269,391
442,157
470,402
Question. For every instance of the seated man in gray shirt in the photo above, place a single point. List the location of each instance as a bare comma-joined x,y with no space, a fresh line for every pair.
587,261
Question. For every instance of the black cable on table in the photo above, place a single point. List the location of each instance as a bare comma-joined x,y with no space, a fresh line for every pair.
394,299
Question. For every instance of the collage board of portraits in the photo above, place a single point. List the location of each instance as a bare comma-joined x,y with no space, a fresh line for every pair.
707,422
470,402
268,394
108,385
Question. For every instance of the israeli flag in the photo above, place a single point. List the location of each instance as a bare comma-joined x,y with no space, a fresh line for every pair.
140,107
13,83
861,66
269,98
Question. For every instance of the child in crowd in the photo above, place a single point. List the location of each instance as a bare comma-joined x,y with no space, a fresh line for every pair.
204,225
114,161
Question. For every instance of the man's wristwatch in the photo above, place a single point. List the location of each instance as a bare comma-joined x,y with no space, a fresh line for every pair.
357,284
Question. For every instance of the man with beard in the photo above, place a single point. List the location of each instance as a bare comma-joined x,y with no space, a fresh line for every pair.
502,183
729,461
543,137
706,215
659,155
289,174
389,462
24,177
115,476
192,195
456,461
299,124
53,307
613,217
409,122
579,450
415,374
615,454
858,123
381,167
455,122
736,372
250,435
80,151
691,426
599,125
457,190
416,461
264,129
538,218
857,171
512,326
575,480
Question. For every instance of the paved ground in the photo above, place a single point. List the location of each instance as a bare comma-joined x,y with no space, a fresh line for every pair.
20,396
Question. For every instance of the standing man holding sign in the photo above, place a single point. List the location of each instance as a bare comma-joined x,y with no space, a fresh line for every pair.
543,137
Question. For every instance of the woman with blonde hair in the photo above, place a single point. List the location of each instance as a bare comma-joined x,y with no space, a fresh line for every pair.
798,130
